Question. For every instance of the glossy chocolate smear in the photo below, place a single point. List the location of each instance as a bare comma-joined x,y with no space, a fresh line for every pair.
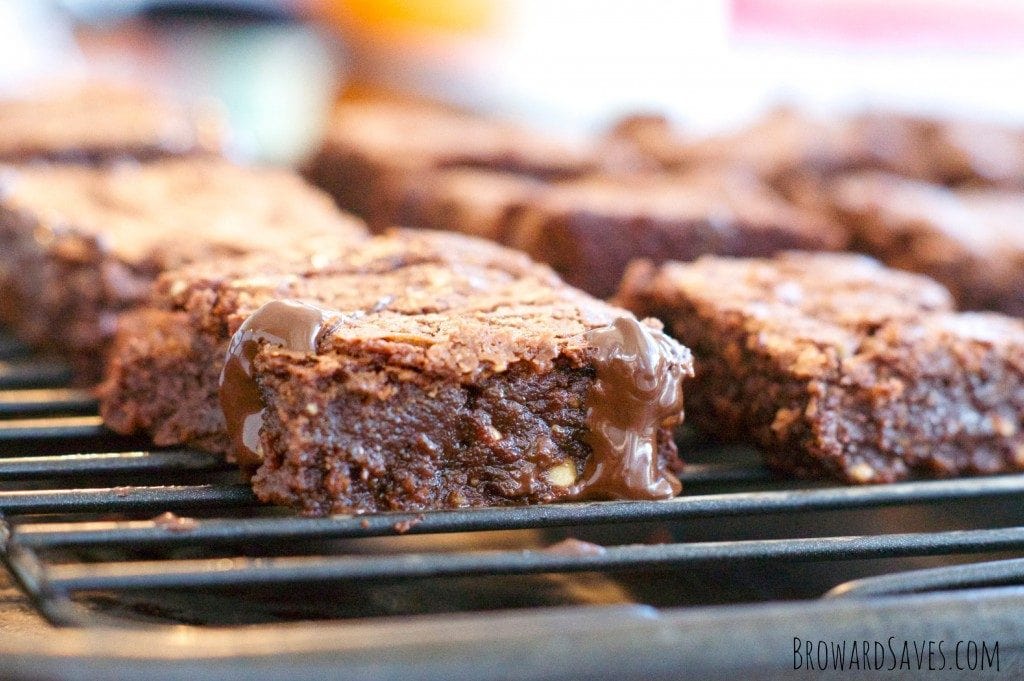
289,324
638,391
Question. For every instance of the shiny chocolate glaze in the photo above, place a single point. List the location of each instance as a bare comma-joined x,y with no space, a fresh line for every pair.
638,390
289,324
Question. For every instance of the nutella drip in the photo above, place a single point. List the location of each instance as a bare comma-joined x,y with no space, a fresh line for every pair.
289,324
638,391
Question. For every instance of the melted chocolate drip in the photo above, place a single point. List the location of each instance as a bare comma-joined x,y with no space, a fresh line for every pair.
289,324
638,391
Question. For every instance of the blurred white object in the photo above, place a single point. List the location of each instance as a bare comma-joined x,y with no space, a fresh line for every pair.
35,43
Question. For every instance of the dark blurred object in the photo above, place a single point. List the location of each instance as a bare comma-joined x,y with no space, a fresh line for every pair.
276,74
112,11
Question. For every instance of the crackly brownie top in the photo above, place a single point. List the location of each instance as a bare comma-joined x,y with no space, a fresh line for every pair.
85,121
809,309
986,222
420,135
438,303
177,210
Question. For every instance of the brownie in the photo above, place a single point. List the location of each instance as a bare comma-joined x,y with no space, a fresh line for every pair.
466,200
954,152
101,122
369,142
795,152
784,147
835,365
589,229
416,370
969,239
80,244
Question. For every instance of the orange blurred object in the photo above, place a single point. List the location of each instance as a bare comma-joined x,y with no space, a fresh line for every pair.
411,17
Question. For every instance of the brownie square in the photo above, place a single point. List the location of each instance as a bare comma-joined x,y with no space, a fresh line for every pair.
369,142
97,122
79,245
834,365
971,240
590,229
431,370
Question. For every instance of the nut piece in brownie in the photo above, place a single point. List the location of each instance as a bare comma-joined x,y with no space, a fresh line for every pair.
466,200
417,370
590,229
971,240
101,122
369,142
80,244
835,365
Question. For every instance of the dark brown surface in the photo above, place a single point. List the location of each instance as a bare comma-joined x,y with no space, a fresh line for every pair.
971,240
590,229
102,122
458,376
80,245
369,144
834,365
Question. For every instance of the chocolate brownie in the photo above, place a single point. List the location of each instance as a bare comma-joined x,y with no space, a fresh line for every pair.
590,229
946,151
101,122
795,152
79,244
368,142
971,240
835,365
783,147
466,200
417,370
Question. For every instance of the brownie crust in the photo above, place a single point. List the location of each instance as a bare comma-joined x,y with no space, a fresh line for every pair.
589,230
455,373
98,123
371,144
81,245
834,365
968,239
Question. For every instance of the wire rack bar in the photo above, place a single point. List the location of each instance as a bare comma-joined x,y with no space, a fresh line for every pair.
257,571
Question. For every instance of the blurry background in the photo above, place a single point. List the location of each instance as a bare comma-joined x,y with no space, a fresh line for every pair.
568,65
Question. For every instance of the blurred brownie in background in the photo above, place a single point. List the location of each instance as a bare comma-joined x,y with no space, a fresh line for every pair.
954,152
468,200
835,365
782,148
590,229
101,122
794,152
79,245
971,240
368,143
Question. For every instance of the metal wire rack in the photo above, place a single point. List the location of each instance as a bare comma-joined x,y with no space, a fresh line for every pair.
78,507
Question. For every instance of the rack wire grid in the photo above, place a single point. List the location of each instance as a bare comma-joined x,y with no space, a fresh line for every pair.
724,581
